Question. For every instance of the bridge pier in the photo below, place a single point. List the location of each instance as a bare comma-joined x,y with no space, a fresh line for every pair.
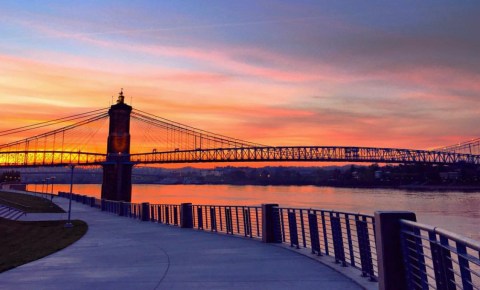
117,170
117,181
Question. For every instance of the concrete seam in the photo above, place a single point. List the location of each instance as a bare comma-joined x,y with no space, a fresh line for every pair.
166,271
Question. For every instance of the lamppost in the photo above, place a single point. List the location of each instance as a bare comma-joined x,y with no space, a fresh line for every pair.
51,193
46,185
69,223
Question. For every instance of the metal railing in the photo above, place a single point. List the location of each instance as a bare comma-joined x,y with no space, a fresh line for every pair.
438,259
234,220
431,258
348,237
168,214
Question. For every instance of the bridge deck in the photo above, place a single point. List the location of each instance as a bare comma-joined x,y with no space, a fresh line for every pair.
121,253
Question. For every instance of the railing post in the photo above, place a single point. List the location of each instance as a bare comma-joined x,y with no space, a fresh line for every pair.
213,219
186,216
270,224
122,209
145,212
391,267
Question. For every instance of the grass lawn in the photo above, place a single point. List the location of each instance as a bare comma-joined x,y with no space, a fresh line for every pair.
29,203
23,242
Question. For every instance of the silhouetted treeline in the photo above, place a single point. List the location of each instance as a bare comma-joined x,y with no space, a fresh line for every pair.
348,175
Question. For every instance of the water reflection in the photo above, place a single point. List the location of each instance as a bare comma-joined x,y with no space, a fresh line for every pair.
455,211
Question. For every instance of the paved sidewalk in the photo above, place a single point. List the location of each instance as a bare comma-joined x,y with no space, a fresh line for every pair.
122,253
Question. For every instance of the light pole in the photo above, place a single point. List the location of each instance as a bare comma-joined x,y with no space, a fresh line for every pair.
69,223
51,193
46,185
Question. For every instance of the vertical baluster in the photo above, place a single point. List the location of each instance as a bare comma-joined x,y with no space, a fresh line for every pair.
324,230
337,239
314,237
407,242
292,226
200,218
213,219
194,208
159,214
246,222
167,215
228,220
442,263
248,213
220,214
302,225
464,266
238,224
349,239
364,247
257,221
175,215
282,224
420,269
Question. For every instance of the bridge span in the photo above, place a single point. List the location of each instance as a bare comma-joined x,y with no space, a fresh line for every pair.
243,154
305,153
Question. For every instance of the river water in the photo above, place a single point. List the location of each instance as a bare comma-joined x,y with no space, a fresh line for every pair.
455,211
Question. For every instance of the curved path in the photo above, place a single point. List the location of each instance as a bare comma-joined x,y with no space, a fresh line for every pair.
122,253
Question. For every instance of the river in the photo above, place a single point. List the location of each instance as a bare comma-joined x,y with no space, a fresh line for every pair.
455,211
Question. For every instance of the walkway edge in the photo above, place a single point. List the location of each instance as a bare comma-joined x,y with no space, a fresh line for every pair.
349,272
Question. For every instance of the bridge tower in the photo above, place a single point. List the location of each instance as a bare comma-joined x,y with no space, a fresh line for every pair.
117,170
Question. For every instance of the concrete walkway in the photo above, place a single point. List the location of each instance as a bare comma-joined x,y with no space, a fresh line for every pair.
122,253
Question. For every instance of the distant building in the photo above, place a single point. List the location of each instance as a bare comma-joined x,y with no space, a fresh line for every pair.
452,175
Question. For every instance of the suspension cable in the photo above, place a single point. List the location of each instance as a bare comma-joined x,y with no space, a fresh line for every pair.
193,129
49,123
66,128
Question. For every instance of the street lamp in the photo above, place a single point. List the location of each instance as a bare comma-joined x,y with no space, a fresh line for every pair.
69,222
46,185
51,193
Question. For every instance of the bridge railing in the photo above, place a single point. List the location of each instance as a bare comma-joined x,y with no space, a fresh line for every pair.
348,237
439,259
234,220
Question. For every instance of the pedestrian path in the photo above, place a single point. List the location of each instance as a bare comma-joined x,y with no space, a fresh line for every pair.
122,253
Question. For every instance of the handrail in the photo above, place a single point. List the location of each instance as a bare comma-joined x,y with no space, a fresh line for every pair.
439,259
453,236
348,237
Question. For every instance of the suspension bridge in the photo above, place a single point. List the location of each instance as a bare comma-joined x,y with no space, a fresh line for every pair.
77,141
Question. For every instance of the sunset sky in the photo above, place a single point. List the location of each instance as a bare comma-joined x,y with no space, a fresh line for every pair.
403,75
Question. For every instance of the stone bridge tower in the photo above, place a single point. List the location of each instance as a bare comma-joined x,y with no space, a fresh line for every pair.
117,170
